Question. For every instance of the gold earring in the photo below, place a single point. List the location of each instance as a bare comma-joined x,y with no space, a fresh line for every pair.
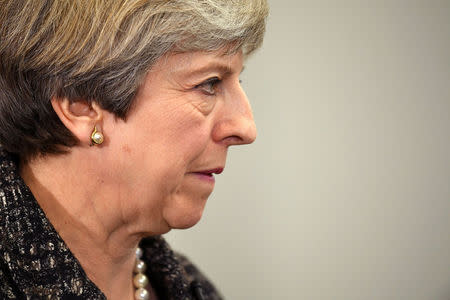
96,137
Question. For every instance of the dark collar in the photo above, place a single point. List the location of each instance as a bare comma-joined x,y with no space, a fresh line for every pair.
37,262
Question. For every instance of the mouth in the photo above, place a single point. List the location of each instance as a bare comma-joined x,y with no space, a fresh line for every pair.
208,174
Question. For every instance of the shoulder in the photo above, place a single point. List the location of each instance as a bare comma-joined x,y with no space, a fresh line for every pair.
173,275
199,282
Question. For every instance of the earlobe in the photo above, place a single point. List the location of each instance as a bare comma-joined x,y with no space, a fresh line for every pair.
80,118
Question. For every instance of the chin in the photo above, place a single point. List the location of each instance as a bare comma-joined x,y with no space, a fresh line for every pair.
184,216
185,222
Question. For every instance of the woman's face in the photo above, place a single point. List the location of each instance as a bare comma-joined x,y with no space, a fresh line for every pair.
188,111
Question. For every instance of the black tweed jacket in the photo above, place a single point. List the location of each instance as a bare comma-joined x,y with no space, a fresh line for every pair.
35,263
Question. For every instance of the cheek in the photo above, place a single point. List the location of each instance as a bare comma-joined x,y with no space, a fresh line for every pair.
188,136
154,156
183,207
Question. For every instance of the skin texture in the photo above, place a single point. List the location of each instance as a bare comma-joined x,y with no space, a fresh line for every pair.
144,179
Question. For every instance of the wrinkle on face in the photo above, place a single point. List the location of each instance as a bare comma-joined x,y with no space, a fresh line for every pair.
170,134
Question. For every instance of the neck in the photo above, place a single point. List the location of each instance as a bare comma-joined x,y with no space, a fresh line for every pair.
96,233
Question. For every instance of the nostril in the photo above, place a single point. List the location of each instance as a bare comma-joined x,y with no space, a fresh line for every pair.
234,140
242,135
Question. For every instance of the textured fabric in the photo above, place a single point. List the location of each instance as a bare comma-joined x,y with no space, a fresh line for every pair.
35,263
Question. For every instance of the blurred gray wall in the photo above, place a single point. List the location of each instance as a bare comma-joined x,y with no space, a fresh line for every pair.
346,192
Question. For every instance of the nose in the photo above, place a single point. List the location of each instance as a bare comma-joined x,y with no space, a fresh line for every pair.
235,125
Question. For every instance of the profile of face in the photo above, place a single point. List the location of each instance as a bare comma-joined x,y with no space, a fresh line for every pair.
189,109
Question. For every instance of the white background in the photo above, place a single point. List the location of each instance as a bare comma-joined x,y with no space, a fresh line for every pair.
346,192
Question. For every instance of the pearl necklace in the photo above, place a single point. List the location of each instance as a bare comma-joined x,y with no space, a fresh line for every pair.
140,281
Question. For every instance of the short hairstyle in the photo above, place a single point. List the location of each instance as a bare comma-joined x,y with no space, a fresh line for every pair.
101,50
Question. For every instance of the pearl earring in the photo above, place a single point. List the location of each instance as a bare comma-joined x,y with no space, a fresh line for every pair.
96,137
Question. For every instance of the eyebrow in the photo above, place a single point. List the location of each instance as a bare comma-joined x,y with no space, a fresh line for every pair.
221,68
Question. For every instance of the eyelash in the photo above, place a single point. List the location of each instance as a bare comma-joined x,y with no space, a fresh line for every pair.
208,87
211,83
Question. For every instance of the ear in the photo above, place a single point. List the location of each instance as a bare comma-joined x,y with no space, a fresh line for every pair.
79,117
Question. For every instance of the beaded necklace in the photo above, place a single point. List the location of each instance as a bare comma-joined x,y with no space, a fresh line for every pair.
140,281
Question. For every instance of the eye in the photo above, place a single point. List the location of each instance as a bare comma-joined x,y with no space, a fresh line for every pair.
209,86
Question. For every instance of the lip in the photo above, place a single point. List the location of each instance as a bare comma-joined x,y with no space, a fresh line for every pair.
212,171
207,175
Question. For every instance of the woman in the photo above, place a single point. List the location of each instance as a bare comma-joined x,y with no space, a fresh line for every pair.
114,118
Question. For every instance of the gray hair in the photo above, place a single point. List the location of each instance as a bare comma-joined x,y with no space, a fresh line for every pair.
100,51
